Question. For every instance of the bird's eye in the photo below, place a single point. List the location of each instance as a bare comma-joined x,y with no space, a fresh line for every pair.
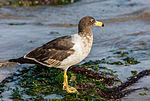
92,20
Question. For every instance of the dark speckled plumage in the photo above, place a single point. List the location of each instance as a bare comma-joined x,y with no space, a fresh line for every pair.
53,52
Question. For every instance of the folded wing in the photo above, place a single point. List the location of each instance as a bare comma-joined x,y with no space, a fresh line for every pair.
53,52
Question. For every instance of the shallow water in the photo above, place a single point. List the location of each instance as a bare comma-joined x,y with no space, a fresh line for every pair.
127,28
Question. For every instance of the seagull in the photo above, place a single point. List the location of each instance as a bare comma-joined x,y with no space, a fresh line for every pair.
65,51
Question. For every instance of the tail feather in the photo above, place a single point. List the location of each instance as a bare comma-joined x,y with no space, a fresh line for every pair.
12,62
7,63
23,60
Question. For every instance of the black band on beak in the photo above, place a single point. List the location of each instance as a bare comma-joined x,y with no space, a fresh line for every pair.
103,25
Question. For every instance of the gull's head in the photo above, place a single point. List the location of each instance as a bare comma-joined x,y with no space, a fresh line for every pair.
89,22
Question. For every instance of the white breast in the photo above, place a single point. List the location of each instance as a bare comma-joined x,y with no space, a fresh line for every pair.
82,47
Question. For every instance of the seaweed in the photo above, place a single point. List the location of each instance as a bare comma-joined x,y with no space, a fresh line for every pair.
27,3
93,82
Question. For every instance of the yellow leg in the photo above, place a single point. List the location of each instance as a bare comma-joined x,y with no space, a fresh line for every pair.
66,86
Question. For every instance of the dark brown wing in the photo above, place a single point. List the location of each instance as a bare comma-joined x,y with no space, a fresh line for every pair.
53,52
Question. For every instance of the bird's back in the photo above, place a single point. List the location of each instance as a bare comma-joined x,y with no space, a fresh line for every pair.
52,53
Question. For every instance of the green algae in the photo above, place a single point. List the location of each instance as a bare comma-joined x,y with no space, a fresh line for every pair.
38,81
16,94
142,94
27,3
1,90
123,58
130,60
134,73
146,89
121,53
119,58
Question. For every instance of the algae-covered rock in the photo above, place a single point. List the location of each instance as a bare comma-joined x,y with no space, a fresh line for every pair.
36,2
93,81
37,82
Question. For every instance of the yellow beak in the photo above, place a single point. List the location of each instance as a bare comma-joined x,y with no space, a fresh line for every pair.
97,23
